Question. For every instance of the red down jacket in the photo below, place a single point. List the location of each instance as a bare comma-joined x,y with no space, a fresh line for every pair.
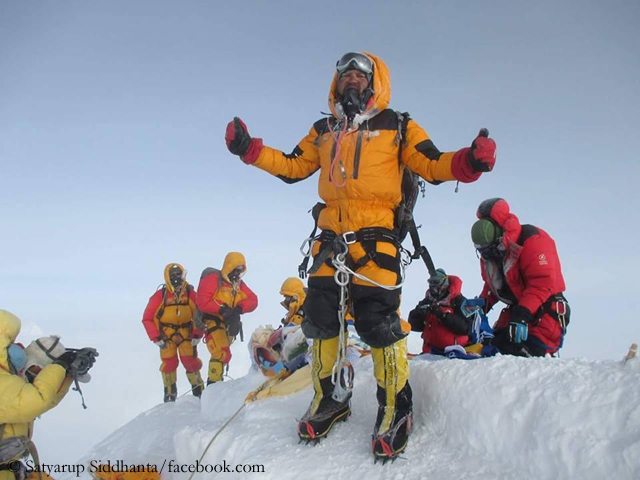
529,274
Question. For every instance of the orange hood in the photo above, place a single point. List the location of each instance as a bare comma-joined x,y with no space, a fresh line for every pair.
381,85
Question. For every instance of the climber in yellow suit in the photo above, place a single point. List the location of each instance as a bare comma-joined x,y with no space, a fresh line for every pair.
168,321
21,402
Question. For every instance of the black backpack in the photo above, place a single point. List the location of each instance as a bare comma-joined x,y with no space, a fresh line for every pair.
411,186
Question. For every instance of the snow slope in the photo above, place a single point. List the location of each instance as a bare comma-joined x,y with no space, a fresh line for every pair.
497,418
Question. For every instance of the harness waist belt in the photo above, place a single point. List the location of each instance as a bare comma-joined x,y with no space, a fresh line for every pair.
176,327
368,238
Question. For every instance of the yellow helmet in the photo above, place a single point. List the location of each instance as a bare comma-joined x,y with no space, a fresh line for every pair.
292,287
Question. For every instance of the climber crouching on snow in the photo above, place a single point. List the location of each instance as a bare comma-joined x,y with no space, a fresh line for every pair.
521,268
222,298
439,317
361,151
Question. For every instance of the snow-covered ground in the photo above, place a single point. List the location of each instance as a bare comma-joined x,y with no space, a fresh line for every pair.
497,418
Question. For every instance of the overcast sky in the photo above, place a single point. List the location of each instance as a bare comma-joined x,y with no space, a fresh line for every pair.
112,118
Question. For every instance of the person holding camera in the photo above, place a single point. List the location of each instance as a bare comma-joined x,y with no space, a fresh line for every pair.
32,381
439,317
222,297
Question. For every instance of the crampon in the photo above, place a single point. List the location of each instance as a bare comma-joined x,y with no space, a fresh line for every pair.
390,444
313,428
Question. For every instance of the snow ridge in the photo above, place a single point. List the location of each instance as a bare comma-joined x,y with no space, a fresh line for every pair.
498,418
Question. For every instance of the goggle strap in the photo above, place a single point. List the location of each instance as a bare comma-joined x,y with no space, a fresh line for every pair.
48,352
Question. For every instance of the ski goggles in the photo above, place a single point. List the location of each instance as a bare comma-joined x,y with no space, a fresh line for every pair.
490,252
355,60
438,284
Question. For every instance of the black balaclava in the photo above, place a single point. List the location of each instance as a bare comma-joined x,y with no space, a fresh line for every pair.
236,274
175,277
353,102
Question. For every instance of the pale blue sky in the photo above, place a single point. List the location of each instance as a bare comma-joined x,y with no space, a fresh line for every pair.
112,118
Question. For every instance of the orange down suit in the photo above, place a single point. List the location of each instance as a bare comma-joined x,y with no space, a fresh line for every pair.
361,166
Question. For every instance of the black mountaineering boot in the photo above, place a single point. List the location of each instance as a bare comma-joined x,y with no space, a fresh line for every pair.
197,390
323,413
196,382
170,389
393,424
170,393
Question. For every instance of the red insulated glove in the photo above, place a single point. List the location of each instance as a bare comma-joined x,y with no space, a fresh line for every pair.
482,155
240,143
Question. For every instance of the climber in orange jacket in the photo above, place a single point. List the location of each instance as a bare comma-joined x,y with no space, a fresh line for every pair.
361,151
222,297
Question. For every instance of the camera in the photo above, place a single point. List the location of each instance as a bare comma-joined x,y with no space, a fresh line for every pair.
83,361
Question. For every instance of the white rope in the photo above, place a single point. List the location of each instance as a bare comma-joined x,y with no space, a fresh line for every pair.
340,265
216,436
342,279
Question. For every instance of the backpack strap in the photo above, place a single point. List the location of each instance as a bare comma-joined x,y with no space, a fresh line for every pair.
420,251
401,137
164,302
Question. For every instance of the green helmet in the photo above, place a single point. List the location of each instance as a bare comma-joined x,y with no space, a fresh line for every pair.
485,232
438,283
